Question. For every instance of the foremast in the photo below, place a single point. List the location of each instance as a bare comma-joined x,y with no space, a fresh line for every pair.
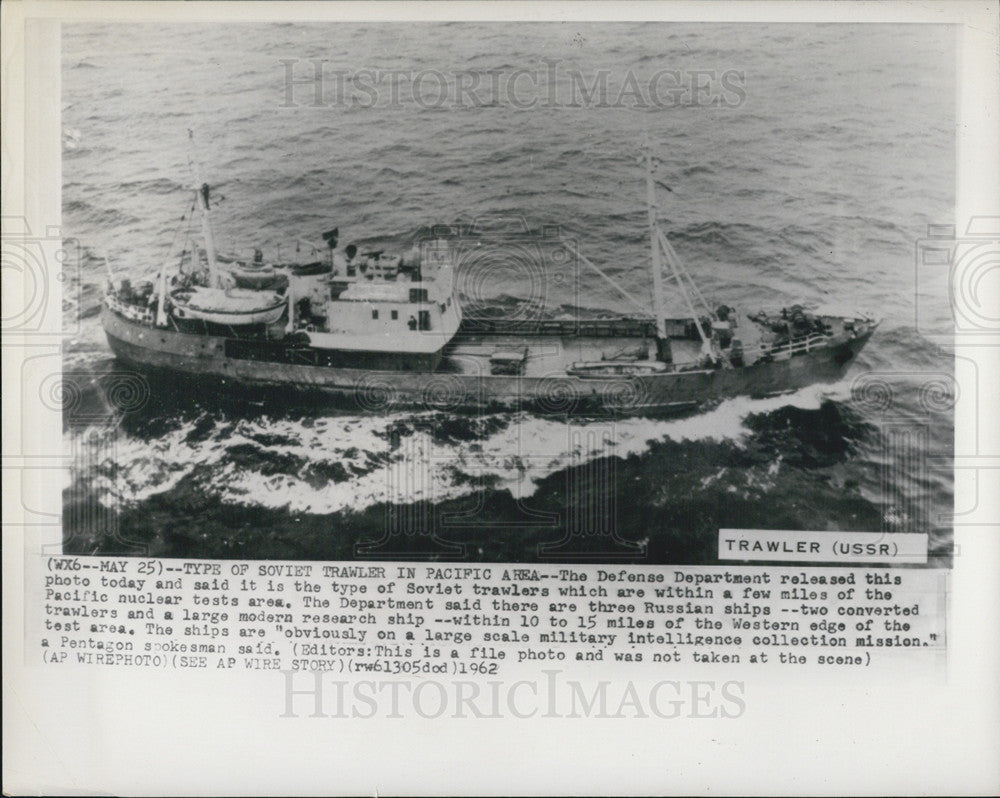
204,205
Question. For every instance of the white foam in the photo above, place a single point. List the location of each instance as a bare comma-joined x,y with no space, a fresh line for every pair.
523,452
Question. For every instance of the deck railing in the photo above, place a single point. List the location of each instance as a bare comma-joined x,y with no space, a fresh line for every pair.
131,312
795,346
598,328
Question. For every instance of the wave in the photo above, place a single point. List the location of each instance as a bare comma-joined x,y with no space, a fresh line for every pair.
349,463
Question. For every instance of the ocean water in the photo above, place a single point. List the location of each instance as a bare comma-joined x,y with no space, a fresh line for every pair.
806,171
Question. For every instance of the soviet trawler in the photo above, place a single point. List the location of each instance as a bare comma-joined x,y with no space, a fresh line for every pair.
383,331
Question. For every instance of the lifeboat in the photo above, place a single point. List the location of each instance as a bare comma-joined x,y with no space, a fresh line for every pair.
310,269
258,277
603,369
229,306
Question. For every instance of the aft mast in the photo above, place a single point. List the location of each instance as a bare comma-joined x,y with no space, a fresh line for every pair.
659,248
654,252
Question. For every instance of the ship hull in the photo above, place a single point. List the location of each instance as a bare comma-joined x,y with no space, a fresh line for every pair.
204,357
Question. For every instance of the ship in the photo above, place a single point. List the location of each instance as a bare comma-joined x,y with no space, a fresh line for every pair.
378,331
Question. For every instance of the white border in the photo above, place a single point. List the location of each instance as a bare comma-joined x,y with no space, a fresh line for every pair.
147,734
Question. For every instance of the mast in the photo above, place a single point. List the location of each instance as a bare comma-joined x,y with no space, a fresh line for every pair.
111,274
659,247
290,297
206,229
161,311
706,345
202,191
654,249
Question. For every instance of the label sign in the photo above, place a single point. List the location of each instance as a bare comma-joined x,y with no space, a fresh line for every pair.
789,545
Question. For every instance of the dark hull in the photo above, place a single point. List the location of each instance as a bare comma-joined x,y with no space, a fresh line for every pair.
205,357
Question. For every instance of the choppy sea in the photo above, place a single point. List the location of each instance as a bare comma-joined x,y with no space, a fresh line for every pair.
804,164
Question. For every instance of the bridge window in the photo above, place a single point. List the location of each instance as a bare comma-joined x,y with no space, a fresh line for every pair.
395,315
374,314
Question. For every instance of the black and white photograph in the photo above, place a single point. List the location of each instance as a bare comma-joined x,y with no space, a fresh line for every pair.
516,292
471,398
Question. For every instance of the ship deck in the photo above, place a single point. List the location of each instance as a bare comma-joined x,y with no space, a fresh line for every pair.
466,377
548,354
